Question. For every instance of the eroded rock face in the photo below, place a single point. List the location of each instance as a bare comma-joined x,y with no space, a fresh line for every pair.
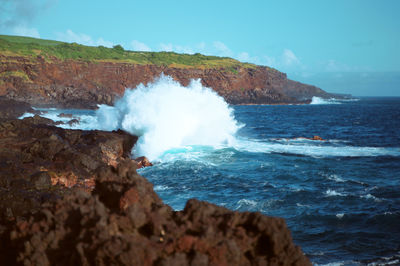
35,157
73,83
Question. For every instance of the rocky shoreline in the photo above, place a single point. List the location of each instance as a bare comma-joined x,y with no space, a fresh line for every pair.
74,197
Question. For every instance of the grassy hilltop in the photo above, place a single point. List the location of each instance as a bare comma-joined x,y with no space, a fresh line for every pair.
50,50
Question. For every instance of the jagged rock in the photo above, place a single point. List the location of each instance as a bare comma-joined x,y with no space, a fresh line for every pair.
317,138
65,115
36,156
41,180
142,162
124,222
73,122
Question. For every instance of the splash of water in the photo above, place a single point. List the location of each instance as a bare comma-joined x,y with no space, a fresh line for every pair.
167,115
318,100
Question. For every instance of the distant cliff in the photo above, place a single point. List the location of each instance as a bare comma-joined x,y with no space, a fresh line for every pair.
50,73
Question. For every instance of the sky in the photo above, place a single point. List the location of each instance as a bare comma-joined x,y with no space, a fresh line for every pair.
341,46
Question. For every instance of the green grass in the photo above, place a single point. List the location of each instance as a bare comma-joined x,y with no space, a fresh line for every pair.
20,39
50,50
18,73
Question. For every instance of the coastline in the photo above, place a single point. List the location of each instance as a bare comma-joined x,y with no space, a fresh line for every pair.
85,180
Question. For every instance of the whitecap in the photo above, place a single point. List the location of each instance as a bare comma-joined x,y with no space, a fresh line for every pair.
369,196
336,178
332,193
26,115
246,203
161,188
319,100
313,150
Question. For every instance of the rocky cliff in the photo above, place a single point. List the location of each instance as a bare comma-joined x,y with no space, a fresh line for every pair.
77,83
44,72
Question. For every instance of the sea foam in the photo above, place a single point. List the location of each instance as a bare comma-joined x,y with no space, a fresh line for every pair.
318,100
166,115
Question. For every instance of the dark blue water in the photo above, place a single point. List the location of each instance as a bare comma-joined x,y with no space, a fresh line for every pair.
340,197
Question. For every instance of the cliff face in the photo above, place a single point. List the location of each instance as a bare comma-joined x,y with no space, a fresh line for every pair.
75,83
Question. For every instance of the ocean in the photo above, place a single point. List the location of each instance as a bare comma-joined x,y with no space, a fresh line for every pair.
340,196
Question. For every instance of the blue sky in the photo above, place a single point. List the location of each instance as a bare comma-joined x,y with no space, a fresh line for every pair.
337,45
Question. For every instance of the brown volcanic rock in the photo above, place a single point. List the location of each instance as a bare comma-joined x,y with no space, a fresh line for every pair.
12,109
124,222
34,156
74,83
143,161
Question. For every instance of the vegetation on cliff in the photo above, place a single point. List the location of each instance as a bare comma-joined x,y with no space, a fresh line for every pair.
52,73
32,47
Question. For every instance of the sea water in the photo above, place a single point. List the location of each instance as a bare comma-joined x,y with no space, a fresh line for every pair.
340,196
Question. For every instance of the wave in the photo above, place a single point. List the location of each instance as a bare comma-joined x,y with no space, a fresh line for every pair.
307,148
166,115
319,100
333,193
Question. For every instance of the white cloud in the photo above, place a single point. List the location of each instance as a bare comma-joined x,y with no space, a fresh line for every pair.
17,16
25,31
139,46
289,58
287,61
184,49
270,61
335,66
176,48
222,49
201,46
104,43
244,56
166,47
81,38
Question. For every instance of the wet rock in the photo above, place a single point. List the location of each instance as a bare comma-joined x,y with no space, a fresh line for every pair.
73,122
313,138
41,180
65,115
317,138
38,120
142,162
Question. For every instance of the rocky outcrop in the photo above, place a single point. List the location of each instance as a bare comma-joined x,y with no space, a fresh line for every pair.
74,83
125,223
39,161
72,197
143,161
